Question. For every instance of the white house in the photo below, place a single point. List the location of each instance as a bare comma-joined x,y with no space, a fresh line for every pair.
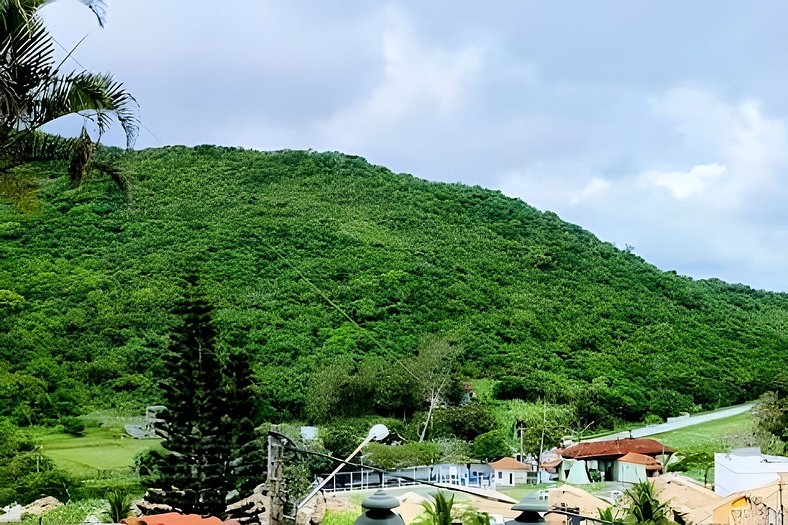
507,472
746,468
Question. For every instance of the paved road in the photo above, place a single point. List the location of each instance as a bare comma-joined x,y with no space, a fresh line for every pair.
680,423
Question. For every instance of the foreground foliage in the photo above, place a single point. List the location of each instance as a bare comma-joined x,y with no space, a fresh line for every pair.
25,473
34,92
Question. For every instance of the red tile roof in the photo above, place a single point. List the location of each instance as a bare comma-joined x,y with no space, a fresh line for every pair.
615,448
551,465
509,464
641,459
172,518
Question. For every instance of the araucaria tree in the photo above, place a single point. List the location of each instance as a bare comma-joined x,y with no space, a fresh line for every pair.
207,427
34,91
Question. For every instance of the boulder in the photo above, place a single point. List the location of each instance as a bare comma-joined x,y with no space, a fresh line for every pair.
41,506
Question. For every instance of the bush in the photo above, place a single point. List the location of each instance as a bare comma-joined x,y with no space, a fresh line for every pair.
72,425
491,446
464,422
391,457
652,419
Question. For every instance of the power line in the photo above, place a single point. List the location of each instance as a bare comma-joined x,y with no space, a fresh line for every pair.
342,312
70,54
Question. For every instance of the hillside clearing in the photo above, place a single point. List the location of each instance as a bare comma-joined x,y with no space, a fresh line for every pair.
98,453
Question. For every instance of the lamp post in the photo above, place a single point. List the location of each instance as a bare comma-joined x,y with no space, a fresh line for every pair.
377,433
379,512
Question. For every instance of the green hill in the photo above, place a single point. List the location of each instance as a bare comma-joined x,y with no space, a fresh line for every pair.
87,278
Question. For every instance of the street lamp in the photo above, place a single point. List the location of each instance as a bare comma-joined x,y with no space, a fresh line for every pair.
377,433
379,512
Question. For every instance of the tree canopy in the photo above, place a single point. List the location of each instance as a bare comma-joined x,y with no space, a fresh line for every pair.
309,257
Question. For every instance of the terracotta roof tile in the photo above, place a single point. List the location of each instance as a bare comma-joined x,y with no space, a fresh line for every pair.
616,448
172,518
509,464
641,459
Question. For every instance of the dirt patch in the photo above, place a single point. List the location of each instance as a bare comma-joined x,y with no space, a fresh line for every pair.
339,503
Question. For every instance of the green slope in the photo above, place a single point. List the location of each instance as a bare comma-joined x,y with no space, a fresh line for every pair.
89,276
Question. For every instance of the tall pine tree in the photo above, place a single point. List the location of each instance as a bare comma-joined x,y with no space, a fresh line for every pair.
207,427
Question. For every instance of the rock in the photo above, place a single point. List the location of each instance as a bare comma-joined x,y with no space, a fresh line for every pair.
11,514
41,506
313,512
141,507
253,509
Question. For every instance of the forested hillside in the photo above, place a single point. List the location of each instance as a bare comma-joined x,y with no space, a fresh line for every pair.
285,242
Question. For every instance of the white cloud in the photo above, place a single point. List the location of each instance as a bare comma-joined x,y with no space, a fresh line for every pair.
751,145
419,83
684,184
595,189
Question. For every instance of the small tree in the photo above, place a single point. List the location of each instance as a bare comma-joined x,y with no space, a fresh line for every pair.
434,366
698,459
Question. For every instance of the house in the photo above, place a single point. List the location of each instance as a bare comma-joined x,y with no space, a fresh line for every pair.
465,475
746,468
625,460
754,506
508,472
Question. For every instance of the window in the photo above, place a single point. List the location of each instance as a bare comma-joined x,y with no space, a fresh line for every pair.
500,475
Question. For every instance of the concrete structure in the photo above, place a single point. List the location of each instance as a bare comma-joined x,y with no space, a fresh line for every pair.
746,468
757,506
682,494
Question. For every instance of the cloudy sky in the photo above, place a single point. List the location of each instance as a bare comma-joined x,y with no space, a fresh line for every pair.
660,125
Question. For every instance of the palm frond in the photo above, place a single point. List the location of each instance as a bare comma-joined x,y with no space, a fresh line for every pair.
96,96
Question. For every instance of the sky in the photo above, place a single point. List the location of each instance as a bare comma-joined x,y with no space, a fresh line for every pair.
657,125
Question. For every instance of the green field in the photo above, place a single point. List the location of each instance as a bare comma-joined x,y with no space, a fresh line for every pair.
722,434
99,453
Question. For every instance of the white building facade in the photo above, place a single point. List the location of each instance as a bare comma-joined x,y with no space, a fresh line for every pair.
746,468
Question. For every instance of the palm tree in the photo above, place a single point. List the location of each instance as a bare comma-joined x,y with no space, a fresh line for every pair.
34,92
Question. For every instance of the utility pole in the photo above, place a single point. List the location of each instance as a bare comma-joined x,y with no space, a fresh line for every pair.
275,452
520,425
541,443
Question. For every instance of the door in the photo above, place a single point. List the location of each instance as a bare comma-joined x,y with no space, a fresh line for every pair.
511,478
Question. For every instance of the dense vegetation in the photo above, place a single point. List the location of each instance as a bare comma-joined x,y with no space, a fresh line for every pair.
309,257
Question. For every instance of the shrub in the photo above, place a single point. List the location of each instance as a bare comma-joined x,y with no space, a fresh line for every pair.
491,446
391,457
119,505
72,425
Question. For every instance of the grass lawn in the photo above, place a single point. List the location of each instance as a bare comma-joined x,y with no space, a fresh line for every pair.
722,434
98,453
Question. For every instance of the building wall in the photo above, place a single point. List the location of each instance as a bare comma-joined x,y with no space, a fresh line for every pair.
736,473
629,472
